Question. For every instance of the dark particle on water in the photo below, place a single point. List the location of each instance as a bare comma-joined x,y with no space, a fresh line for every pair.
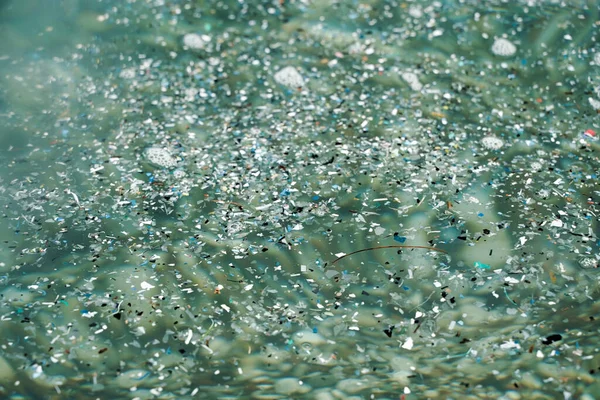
551,339
389,331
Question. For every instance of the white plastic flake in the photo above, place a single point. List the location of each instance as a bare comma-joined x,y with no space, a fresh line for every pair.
408,344
289,77
413,81
594,103
539,354
38,371
510,345
503,47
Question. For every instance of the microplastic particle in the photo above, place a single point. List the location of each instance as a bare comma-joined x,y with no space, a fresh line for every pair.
557,223
594,103
551,339
539,354
145,285
400,239
481,265
389,331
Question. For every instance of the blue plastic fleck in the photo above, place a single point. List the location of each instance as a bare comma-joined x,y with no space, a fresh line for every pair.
478,264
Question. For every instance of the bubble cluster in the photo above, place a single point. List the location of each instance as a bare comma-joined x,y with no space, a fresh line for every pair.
289,76
492,142
413,81
588,262
161,157
195,41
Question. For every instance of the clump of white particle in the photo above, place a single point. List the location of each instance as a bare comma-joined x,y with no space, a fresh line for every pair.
161,157
413,81
289,77
492,142
194,41
503,47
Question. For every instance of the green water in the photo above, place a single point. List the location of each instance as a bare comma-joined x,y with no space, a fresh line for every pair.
295,199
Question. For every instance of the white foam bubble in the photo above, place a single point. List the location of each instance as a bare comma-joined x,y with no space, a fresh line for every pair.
413,81
195,41
290,77
161,157
503,47
492,142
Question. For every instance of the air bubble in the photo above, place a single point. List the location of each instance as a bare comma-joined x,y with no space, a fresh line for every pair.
492,142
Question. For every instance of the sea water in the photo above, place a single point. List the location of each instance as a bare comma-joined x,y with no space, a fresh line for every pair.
299,199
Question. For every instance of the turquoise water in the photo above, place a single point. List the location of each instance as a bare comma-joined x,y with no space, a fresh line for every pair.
299,199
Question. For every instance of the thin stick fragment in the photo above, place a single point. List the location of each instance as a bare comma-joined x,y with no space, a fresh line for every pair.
396,246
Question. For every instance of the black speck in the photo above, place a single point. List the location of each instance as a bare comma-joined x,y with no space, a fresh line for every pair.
389,331
551,339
